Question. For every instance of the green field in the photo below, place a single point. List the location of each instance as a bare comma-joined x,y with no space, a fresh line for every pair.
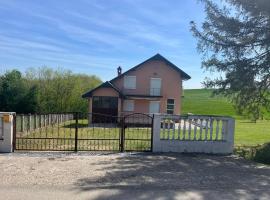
200,101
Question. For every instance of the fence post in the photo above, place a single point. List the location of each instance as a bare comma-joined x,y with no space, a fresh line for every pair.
230,133
29,122
40,121
35,121
76,131
14,132
22,123
156,133
122,134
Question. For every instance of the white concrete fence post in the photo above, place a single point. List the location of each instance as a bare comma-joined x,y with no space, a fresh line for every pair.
229,137
156,133
6,136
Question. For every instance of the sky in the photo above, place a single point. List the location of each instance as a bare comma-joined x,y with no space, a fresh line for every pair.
94,37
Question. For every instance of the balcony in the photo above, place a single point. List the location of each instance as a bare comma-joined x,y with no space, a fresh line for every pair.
150,93
155,91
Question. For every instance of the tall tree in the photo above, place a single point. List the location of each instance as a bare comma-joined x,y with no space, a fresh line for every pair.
60,90
16,95
235,41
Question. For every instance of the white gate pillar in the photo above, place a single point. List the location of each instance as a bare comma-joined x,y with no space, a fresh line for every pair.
156,133
6,132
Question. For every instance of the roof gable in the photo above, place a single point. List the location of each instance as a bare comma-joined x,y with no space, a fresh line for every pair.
156,57
106,84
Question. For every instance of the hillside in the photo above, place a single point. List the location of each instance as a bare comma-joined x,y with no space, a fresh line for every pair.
200,101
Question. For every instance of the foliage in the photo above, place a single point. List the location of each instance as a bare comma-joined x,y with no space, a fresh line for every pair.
235,42
263,154
45,90
16,94
259,153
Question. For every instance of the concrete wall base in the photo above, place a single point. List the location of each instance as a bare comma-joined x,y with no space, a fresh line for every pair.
211,147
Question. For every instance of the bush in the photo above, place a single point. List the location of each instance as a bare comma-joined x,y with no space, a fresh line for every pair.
260,153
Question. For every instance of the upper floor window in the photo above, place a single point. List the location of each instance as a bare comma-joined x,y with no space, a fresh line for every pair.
130,82
170,106
155,86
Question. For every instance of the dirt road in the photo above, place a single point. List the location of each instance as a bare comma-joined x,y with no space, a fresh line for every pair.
131,176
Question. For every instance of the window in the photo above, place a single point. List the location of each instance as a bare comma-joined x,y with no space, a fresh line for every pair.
155,85
129,105
130,82
170,106
154,107
105,102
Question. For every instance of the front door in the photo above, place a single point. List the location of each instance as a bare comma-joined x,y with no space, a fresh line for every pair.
103,108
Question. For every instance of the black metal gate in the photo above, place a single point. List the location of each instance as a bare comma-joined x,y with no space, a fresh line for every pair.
137,132
78,132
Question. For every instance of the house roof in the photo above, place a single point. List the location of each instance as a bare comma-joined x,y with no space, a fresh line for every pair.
159,57
106,84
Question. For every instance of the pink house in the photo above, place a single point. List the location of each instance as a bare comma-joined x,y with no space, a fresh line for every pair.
153,86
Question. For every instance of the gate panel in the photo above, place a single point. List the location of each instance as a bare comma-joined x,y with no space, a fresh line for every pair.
78,132
138,132
102,134
45,132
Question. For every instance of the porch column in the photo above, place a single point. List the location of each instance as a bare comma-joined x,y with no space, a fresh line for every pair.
119,107
89,110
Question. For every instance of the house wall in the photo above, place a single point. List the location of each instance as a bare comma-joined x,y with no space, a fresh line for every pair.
171,85
105,92
140,106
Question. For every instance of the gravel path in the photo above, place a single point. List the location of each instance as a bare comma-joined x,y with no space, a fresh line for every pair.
131,176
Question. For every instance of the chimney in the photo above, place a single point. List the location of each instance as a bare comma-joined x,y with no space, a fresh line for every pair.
119,71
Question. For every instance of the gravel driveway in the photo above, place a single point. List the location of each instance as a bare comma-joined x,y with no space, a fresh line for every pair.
131,176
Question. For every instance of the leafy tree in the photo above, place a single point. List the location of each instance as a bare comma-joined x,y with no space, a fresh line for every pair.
235,41
15,95
60,90
45,90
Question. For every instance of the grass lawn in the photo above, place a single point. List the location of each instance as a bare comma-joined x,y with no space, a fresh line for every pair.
200,101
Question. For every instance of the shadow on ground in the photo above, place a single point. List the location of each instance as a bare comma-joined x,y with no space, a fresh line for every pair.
174,176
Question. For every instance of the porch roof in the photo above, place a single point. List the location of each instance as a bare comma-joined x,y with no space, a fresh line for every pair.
106,84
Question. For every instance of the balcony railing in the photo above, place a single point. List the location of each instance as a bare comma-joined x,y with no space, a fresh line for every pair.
155,91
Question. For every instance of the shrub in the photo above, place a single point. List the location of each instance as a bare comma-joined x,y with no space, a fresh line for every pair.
260,153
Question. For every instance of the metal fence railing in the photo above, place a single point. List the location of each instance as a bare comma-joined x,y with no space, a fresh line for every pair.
83,132
155,91
1,128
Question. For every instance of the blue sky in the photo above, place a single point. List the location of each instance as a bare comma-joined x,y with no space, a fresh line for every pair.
94,37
